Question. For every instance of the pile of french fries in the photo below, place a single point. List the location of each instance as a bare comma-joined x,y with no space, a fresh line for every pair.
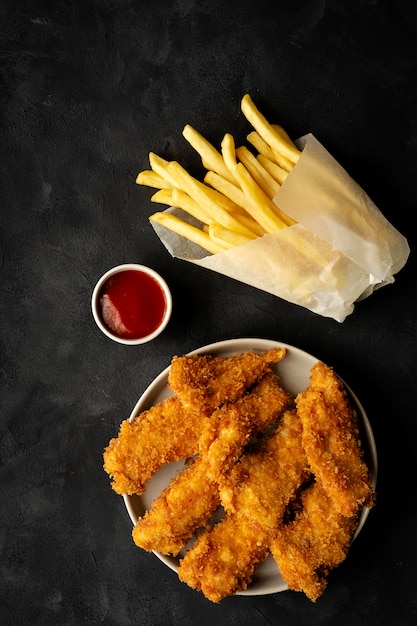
234,203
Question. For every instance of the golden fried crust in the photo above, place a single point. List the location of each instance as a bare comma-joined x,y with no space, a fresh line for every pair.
224,558
331,441
191,498
185,505
315,542
219,405
262,483
255,496
203,383
231,427
166,432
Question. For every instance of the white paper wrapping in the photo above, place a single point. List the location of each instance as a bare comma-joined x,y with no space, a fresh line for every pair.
341,249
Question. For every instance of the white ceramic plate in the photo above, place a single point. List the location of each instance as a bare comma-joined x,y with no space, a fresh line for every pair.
294,372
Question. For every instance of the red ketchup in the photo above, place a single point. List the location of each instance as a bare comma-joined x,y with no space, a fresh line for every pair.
132,304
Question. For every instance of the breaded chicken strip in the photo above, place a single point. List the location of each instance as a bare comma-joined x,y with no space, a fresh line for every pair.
331,441
223,559
263,482
314,543
192,497
231,427
182,508
169,431
166,432
203,382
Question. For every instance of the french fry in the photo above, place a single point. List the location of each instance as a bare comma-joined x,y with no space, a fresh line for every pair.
266,131
282,161
177,177
260,144
160,166
210,230
163,196
196,235
266,182
230,158
236,195
210,157
263,148
273,168
203,196
149,178
235,212
183,201
229,152
234,202
227,237
178,198
281,131
221,199
230,190
263,210
254,226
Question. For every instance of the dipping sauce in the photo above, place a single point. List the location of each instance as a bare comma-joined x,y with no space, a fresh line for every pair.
133,304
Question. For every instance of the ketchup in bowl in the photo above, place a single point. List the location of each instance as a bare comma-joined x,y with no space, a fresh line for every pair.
131,304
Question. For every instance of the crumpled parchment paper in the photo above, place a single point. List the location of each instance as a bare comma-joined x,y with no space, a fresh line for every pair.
341,249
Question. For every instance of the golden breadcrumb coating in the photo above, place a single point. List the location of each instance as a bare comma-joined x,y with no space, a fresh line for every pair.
192,497
255,496
186,504
315,542
224,558
291,481
231,427
166,432
331,441
263,482
203,382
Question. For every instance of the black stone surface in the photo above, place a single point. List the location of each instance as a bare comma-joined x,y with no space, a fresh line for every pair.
88,88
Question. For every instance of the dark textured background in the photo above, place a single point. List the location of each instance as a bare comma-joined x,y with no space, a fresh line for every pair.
88,88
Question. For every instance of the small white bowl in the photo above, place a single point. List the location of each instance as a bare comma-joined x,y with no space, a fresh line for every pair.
96,305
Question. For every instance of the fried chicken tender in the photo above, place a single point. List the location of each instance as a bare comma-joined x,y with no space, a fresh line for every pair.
170,430
331,441
255,495
182,508
219,407
263,482
166,432
231,426
315,542
203,382
224,558
193,496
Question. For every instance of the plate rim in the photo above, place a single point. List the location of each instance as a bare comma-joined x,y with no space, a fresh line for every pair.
258,345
